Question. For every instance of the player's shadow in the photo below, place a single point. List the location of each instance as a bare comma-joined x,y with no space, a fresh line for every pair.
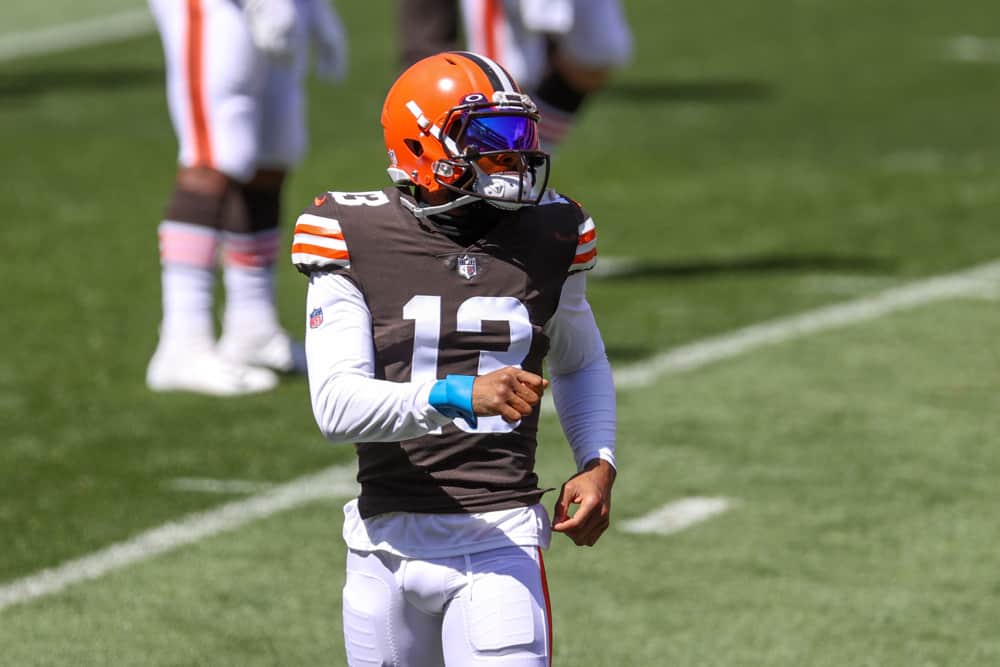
707,90
776,263
21,86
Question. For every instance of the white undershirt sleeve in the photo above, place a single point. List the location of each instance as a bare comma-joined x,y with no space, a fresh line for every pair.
583,388
349,404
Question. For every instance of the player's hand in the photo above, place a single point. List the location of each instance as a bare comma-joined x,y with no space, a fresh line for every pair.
329,41
272,26
591,490
509,392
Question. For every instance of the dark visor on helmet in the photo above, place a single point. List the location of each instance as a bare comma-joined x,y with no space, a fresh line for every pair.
499,133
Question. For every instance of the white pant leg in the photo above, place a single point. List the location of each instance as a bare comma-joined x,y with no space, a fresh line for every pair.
283,131
283,135
487,608
500,615
600,36
380,626
495,30
214,80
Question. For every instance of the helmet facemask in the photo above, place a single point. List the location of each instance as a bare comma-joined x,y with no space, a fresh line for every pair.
492,151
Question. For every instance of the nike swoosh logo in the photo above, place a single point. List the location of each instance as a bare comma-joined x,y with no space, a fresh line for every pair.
319,201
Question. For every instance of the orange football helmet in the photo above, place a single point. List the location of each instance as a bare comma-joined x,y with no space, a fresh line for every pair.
458,121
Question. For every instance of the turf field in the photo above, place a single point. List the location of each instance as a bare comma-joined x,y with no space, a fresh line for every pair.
757,162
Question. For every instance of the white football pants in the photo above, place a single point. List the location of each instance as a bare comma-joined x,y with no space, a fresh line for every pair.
593,33
486,608
233,108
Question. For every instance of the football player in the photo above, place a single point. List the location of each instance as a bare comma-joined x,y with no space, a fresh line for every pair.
431,307
561,50
234,88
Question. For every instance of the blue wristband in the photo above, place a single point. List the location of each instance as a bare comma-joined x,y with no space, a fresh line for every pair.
452,397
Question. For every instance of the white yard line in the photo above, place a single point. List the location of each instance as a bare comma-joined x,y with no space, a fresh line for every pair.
334,482
75,35
973,49
677,516
980,281
221,486
924,161
339,481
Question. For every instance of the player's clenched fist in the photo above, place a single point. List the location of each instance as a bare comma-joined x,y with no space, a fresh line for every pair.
509,392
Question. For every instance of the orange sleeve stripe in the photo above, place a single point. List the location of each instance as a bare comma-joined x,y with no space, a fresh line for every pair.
585,257
319,251
587,237
316,230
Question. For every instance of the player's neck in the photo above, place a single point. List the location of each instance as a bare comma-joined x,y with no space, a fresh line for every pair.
465,224
468,224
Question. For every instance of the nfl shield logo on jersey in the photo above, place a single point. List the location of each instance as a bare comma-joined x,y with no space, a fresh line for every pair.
315,318
467,266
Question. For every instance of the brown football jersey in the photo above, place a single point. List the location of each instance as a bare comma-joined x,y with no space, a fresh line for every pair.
440,308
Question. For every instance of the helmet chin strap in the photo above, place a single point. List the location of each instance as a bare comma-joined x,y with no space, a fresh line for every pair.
426,211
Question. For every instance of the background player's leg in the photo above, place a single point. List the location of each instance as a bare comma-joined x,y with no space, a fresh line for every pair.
188,240
580,61
185,358
494,28
252,333
560,95
210,69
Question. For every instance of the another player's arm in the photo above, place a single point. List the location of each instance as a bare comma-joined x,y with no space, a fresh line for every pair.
584,395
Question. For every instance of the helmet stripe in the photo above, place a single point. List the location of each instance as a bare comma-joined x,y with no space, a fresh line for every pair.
424,124
498,76
414,108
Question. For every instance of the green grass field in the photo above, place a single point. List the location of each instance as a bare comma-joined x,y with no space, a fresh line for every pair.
754,162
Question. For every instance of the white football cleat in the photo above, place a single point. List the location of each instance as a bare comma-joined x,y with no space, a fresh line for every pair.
276,351
205,372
